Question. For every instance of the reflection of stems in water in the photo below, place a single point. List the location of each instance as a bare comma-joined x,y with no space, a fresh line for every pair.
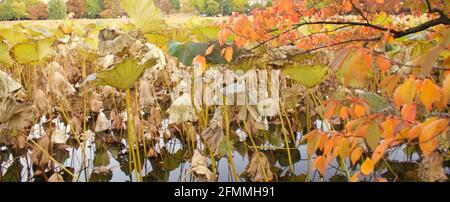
390,169
53,160
288,121
83,146
255,149
318,103
227,130
308,118
283,130
136,133
142,132
131,152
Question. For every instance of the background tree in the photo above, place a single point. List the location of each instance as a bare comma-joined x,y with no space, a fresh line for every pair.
164,5
212,8
77,7
57,9
93,8
239,5
38,11
112,8
175,4
186,6
19,9
6,12
199,5
225,6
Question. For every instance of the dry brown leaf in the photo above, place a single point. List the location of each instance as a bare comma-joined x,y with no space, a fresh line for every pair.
15,115
255,168
56,177
213,135
38,156
41,102
199,166
102,123
94,103
145,93
7,85
431,170
116,120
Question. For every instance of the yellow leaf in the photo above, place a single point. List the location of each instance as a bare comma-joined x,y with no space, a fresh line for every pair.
405,93
429,93
228,54
367,166
356,155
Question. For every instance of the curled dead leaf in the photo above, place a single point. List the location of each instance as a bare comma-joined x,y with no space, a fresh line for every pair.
56,177
199,166
257,168
431,170
39,155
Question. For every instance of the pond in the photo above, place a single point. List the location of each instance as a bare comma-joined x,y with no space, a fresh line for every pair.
107,161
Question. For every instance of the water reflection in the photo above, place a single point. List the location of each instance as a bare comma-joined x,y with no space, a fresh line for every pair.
107,161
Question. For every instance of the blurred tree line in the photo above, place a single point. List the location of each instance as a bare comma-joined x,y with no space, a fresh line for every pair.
60,9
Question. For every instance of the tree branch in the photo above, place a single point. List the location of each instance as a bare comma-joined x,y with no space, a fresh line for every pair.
359,11
441,20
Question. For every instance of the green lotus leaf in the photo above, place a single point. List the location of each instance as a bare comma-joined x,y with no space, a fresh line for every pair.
25,53
144,15
5,59
308,76
124,74
33,52
13,35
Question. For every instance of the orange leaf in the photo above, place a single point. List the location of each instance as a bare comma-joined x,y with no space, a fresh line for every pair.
380,150
383,64
405,93
390,127
379,1
320,163
355,155
429,93
354,177
210,49
380,179
284,6
228,53
428,140
343,113
359,110
367,166
330,109
446,89
415,132
347,5
409,112
199,61
389,83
